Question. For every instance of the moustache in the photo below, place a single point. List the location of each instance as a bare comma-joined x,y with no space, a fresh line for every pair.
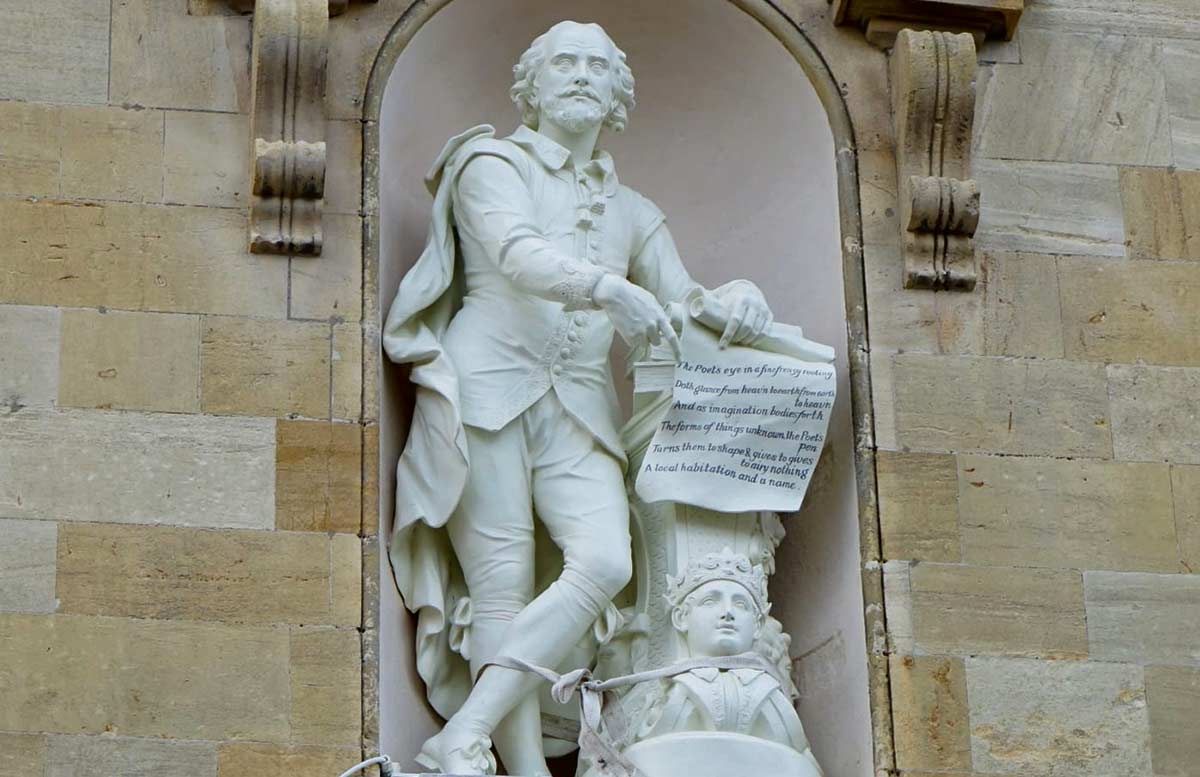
580,93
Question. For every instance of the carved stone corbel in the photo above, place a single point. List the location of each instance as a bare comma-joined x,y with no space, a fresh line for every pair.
287,119
287,109
933,107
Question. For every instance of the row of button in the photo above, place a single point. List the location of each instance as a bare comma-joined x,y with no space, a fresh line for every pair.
578,320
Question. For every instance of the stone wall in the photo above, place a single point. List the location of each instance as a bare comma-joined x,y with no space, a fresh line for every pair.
181,474
180,439
1038,478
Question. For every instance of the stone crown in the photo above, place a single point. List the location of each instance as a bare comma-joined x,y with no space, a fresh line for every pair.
725,565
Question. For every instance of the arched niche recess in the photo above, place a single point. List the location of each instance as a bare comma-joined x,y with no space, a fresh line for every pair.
736,137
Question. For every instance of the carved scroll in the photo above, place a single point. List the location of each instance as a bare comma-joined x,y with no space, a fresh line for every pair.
288,125
933,103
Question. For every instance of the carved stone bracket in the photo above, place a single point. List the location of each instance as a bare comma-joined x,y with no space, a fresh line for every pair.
933,107
882,20
287,109
288,125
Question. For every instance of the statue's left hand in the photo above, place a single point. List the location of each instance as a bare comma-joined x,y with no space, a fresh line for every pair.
749,315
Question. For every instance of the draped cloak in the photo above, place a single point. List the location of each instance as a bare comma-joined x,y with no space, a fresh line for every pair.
432,470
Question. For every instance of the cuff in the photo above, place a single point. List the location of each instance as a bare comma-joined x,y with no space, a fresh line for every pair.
575,289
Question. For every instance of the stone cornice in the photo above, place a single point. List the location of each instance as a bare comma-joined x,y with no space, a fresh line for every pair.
336,7
881,20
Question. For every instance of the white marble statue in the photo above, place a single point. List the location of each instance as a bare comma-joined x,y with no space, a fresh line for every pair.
536,255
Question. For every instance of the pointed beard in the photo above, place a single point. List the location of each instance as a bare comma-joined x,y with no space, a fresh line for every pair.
573,115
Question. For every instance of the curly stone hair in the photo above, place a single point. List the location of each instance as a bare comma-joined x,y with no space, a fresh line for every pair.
524,92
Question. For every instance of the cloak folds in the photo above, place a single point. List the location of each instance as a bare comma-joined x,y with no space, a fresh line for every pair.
432,470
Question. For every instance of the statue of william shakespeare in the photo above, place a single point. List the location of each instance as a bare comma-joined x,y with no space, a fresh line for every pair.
536,255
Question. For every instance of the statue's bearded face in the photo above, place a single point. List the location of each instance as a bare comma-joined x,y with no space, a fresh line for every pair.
719,618
576,82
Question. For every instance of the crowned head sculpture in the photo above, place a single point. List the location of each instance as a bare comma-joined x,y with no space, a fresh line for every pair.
718,604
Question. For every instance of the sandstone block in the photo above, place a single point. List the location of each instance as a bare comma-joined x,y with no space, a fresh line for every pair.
194,574
27,565
1181,61
914,319
136,257
918,506
347,371
318,476
1155,413
28,357
1185,487
206,159
370,479
860,67
929,712
345,588
362,27
1170,18
55,51
252,759
1005,52
1062,513
131,361
966,403
1162,213
87,675
22,755
1049,208
162,57
878,195
883,399
1021,309
133,468
329,286
1143,618
343,178
1118,311
897,597
211,8
106,756
326,681
998,610
1174,696
1078,98
112,153
1060,718
267,368
30,149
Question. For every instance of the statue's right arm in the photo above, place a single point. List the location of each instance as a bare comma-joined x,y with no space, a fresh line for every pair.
492,205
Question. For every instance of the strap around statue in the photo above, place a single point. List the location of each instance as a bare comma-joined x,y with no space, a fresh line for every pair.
601,726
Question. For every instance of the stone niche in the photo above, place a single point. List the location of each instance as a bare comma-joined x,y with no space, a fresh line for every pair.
730,139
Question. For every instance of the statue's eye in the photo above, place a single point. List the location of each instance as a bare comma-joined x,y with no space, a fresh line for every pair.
598,66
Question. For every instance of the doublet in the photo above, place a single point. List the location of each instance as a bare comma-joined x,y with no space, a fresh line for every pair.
535,234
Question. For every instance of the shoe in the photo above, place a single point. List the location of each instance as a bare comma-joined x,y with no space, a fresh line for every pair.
453,751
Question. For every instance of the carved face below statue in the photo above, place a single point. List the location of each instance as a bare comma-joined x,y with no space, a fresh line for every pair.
719,618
